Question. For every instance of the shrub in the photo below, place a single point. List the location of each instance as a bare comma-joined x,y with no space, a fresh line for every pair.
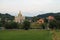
52,24
35,25
11,25
26,25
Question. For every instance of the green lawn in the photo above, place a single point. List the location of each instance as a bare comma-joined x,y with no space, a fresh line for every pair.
57,34
25,35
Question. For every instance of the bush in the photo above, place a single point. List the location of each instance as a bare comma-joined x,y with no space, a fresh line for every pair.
35,25
42,26
58,24
26,25
0,24
20,26
52,24
11,25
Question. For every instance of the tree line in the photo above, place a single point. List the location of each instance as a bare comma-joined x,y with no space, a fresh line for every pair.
4,22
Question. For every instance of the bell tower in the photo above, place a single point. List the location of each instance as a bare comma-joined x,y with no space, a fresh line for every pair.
19,13
19,18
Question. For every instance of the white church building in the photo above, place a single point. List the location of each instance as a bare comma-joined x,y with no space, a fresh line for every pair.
20,18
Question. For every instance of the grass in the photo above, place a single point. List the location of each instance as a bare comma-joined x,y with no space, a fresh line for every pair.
58,34
25,35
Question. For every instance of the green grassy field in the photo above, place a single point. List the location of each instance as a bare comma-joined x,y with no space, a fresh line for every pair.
57,34
25,35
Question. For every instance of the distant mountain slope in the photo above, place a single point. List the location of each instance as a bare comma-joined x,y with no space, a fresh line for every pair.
28,18
56,15
10,17
6,16
48,14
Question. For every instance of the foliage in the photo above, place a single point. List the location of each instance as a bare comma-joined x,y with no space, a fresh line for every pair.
11,25
26,25
48,14
6,16
52,24
58,24
0,24
20,25
45,20
35,25
34,19
42,26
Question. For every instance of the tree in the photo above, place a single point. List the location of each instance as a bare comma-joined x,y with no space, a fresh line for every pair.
57,17
34,19
42,26
0,24
3,22
52,24
11,25
26,25
58,24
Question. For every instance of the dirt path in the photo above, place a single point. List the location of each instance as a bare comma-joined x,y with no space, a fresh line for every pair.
54,35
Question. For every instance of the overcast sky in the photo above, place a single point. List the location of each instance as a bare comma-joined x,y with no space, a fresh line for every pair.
29,7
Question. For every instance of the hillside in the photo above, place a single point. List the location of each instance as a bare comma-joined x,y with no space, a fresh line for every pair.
48,14
6,16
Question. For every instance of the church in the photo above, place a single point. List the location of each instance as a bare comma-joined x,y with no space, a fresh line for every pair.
20,18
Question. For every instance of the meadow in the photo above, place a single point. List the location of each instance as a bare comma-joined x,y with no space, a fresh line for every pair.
25,35
57,34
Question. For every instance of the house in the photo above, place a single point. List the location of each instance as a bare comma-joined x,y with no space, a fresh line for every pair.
50,18
40,21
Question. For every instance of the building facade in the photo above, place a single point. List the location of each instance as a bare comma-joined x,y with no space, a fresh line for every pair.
19,18
41,21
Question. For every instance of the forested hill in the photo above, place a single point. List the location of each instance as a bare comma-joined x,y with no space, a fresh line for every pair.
56,15
6,16
48,14
10,17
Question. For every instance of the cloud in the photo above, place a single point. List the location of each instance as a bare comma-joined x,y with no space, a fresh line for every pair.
29,5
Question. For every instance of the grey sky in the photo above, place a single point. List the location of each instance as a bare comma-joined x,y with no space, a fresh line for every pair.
29,7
